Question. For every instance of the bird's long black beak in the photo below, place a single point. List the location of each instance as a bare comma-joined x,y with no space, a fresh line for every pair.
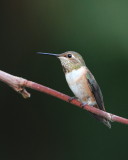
50,54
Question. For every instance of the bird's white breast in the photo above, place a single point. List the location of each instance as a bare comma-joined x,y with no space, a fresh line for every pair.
76,83
74,75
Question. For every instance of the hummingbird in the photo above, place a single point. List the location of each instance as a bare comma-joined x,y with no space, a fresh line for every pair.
81,81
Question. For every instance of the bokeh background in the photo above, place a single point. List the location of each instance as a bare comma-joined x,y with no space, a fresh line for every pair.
44,127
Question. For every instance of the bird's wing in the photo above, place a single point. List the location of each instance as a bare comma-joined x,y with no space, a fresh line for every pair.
95,90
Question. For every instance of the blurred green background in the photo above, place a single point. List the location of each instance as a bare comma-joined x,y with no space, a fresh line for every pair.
44,127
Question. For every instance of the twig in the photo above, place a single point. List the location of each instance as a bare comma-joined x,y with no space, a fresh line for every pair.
19,84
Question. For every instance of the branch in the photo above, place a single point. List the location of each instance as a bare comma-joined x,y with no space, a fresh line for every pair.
19,84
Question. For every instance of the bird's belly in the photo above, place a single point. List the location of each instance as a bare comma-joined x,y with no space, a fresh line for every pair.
79,91
78,84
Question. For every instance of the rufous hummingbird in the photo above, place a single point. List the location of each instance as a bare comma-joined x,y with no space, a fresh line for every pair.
81,81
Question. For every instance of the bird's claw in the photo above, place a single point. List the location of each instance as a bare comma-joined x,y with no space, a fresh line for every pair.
83,104
91,104
72,98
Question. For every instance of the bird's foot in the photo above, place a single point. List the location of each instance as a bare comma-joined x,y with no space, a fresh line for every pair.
83,104
91,104
72,98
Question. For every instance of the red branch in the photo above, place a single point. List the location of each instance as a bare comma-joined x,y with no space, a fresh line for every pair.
19,85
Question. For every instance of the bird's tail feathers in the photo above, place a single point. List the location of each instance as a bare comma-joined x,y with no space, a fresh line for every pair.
103,120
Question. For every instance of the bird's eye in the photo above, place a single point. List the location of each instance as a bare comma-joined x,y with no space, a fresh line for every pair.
69,56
